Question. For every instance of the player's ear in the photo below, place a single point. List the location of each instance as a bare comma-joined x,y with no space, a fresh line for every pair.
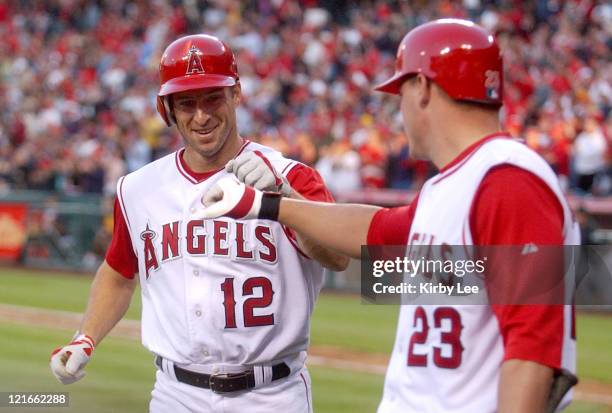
237,93
423,90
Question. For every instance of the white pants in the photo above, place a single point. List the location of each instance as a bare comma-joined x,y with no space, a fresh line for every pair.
291,394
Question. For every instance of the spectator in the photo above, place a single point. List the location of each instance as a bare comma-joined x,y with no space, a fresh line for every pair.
75,88
339,166
589,152
399,167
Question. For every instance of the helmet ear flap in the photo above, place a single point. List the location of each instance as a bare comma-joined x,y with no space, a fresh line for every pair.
165,111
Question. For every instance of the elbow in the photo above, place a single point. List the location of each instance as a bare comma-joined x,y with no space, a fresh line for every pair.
338,263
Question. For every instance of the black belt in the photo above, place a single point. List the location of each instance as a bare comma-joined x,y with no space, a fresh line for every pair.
226,382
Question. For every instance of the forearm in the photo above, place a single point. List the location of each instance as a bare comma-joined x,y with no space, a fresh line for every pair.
109,299
325,256
339,227
524,386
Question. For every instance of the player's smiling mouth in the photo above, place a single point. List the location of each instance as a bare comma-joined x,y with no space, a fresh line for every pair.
205,131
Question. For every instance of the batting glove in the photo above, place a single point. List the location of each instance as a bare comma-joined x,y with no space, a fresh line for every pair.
231,198
68,362
254,169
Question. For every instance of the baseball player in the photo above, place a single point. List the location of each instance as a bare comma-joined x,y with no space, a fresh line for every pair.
490,190
226,304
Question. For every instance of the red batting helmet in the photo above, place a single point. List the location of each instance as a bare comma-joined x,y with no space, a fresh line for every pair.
194,62
458,55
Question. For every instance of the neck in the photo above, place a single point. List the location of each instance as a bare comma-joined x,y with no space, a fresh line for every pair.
453,137
200,163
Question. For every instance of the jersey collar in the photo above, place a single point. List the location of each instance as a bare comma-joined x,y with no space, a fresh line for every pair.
472,148
198,177
462,158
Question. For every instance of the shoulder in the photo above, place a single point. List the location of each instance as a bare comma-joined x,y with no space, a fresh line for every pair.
516,172
514,205
151,172
302,178
280,163
494,158
154,167
513,151
511,183
308,182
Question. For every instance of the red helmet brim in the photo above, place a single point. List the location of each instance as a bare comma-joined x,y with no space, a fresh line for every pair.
198,81
392,85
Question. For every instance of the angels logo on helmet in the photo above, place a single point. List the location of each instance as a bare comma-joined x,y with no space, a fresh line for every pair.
194,64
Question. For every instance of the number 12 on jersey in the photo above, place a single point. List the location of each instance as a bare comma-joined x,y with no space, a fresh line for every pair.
250,304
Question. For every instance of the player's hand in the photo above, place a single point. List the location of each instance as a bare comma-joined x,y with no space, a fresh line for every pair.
231,198
68,362
254,169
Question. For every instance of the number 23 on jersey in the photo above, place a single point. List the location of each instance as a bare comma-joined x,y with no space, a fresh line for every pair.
446,321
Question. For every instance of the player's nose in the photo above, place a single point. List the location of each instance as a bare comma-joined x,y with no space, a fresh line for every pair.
201,115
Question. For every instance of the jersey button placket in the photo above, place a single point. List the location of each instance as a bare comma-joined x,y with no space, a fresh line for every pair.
196,285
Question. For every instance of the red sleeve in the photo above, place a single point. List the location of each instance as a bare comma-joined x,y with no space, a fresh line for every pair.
515,207
120,254
309,183
390,226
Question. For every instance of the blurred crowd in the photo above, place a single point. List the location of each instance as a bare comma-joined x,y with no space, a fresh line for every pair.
78,81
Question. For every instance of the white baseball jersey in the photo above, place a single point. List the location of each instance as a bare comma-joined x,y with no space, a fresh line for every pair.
447,358
219,291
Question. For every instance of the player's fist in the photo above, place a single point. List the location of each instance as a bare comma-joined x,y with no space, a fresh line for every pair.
231,198
254,169
68,362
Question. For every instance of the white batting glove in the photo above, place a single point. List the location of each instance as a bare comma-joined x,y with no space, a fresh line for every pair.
254,169
231,198
68,362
